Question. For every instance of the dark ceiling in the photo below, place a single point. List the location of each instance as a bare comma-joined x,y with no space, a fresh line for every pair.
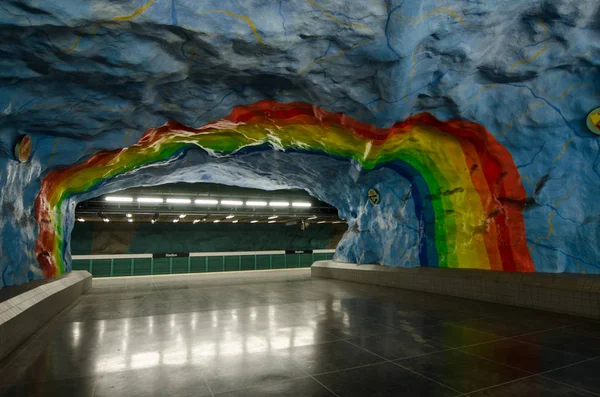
99,209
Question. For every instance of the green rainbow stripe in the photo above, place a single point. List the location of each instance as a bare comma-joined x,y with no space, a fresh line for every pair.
469,196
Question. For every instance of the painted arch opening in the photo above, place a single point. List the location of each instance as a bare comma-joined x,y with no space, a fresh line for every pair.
457,184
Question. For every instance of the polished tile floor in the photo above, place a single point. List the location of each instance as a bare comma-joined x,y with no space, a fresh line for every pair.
282,333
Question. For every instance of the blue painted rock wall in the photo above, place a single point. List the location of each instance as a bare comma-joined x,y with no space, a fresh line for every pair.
79,77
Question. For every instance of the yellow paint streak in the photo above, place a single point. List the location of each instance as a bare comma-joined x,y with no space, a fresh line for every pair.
452,13
485,87
442,9
550,225
518,116
238,16
566,145
53,152
413,70
116,19
330,16
526,179
135,13
72,48
126,139
579,267
537,54
338,55
565,92
188,65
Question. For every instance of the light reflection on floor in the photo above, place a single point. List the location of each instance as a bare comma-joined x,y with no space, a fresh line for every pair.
285,334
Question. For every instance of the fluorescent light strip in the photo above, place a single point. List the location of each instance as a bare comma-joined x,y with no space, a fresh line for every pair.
178,201
273,217
230,216
232,202
182,216
216,221
80,220
129,220
235,221
312,217
149,200
206,202
254,221
322,222
279,204
256,203
128,215
176,220
301,204
272,221
119,199
106,220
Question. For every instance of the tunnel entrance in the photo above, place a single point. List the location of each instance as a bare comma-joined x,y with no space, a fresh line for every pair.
449,195
195,228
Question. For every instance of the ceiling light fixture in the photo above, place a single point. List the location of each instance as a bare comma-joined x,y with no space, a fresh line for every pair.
128,215
129,220
80,220
119,199
216,221
312,217
175,220
232,202
273,217
301,204
235,221
182,216
256,203
279,204
149,200
322,222
230,216
106,220
254,221
196,221
153,221
178,201
272,221
206,202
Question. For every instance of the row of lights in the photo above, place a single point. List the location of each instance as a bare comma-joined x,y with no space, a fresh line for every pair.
249,203
271,219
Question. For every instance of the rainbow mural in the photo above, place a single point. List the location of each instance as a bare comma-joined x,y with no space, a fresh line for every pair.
467,191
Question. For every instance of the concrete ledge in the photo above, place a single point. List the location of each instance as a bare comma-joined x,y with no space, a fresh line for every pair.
25,309
562,293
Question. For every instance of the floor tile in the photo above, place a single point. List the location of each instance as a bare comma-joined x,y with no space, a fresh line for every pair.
334,356
525,356
250,370
397,345
382,380
455,336
532,387
259,334
589,328
560,340
353,328
585,375
461,371
80,387
499,326
155,382
306,387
